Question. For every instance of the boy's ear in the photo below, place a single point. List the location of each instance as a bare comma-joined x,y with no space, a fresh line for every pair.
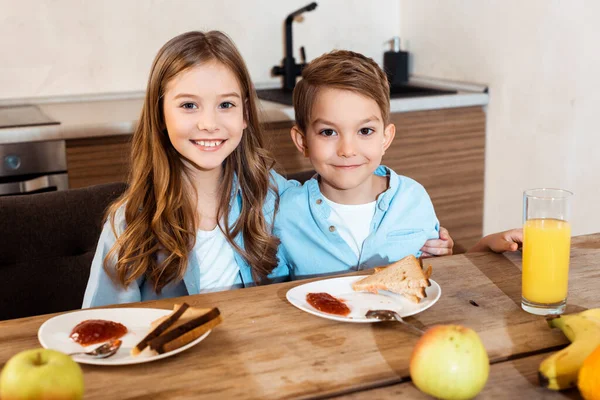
299,140
388,136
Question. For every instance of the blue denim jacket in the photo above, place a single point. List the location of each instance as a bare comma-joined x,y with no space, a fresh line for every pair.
102,291
404,219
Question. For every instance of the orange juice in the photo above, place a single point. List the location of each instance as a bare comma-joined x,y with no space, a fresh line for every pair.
546,247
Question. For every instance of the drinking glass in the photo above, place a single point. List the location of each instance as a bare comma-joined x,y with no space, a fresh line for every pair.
546,249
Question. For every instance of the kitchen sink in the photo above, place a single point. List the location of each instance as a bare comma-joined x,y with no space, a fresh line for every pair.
397,92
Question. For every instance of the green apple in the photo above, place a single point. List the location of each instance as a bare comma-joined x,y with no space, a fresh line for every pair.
450,362
41,374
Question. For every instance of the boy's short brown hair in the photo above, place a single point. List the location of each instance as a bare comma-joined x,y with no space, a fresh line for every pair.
340,69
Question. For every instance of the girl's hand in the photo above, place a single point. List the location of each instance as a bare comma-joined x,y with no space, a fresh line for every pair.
500,242
438,247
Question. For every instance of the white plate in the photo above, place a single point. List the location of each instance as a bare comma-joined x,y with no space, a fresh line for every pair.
54,334
360,302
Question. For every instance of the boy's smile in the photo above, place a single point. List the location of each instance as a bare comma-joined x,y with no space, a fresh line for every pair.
345,141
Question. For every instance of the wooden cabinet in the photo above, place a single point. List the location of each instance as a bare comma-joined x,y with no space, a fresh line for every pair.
279,141
441,149
93,161
444,150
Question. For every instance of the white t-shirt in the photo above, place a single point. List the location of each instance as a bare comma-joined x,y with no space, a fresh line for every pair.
218,268
352,221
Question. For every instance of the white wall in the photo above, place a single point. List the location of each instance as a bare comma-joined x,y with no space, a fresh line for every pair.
65,47
541,60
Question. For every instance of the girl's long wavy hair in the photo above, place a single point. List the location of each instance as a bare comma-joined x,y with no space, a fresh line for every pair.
160,207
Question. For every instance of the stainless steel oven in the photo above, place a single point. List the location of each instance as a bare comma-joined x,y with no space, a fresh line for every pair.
33,167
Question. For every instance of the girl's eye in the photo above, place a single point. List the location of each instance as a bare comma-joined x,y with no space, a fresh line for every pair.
327,132
366,131
189,106
226,104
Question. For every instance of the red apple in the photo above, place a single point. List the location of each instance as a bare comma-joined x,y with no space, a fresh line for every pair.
450,362
41,374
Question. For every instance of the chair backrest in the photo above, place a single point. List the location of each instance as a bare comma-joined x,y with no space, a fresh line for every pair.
47,243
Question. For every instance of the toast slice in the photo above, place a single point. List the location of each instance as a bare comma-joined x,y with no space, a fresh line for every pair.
163,325
427,272
191,325
404,277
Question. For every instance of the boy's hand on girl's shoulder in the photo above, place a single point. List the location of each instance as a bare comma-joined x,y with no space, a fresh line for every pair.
438,247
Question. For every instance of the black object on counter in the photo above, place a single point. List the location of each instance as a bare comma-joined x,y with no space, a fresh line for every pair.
408,90
395,64
289,69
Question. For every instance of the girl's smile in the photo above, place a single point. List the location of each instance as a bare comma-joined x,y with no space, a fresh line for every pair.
209,145
204,115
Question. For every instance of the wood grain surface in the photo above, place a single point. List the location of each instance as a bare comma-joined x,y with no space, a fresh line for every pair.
514,379
95,161
266,348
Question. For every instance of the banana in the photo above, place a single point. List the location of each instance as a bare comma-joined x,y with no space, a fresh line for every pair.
592,313
559,371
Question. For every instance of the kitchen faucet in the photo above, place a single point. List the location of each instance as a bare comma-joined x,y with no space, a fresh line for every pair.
290,70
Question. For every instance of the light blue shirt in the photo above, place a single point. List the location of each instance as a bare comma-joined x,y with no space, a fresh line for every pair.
101,290
310,246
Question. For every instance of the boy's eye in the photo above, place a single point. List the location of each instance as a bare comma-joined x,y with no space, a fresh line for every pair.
189,106
366,131
226,104
327,132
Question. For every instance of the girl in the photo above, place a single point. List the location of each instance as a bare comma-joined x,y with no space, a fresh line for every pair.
198,212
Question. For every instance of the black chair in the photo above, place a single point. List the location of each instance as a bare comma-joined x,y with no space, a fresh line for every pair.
47,243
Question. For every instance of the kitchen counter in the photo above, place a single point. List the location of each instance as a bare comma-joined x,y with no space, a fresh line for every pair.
117,114
451,128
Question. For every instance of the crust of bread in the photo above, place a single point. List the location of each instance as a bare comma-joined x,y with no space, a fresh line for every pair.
189,327
179,328
159,328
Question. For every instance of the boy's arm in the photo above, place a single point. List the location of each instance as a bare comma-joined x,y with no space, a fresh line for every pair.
500,242
439,241
282,183
438,247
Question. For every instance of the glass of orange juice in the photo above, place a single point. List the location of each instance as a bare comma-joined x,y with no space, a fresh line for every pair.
546,248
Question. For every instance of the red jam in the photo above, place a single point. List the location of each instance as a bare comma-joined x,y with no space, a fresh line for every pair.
94,331
327,303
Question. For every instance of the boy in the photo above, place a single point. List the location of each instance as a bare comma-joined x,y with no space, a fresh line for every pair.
354,214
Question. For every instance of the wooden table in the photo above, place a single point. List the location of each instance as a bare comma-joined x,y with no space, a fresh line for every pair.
266,348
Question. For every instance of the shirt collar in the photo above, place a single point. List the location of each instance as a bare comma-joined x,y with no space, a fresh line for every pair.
383,201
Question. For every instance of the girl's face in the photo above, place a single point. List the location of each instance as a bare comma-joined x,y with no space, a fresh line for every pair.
204,114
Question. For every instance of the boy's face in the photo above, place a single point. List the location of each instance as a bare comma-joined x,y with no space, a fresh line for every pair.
345,140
